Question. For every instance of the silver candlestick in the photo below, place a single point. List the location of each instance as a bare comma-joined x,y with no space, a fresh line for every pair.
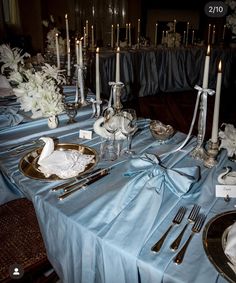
212,152
199,152
117,92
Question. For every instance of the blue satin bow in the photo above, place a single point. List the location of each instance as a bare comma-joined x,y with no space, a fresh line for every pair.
178,180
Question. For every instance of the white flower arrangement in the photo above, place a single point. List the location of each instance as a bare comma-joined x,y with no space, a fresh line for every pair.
51,42
231,18
172,39
51,37
228,139
11,58
37,91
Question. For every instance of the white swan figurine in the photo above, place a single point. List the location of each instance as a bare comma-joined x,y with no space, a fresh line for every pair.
47,149
101,131
228,177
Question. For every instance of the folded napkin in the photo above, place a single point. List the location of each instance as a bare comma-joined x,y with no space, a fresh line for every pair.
230,248
64,164
9,117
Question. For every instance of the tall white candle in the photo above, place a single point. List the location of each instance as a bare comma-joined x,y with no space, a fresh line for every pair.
98,98
92,31
138,26
86,31
130,42
213,35
174,27
77,51
193,37
58,53
209,34
112,36
118,64
68,61
223,35
117,35
138,37
215,124
155,39
67,34
85,36
187,32
81,52
184,37
206,69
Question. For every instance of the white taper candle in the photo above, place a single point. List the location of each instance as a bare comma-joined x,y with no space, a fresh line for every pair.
215,124
98,98
118,64
206,69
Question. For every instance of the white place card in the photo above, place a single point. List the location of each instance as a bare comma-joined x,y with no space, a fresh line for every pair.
83,134
224,190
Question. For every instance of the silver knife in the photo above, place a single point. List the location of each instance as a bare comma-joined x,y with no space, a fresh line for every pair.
85,184
75,181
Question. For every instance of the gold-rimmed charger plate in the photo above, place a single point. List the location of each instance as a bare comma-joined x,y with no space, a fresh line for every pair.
29,163
214,237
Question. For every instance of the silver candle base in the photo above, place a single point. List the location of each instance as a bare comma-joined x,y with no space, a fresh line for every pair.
199,153
212,152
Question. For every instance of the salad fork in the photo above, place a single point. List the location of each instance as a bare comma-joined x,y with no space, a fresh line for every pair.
191,219
177,220
196,229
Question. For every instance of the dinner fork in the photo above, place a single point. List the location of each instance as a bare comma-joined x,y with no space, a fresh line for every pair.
196,229
177,220
191,219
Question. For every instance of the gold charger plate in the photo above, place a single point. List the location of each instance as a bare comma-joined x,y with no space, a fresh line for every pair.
29,167
214,238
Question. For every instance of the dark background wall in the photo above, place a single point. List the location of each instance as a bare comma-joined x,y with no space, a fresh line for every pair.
102,13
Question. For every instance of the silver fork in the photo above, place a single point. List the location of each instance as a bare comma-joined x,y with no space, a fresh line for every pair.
191,219
177,220
196,229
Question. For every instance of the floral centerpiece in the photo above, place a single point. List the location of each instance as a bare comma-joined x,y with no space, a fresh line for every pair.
172,39
231,18
51,37
36,91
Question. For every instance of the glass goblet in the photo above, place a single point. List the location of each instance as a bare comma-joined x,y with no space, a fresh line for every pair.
71,111
128,127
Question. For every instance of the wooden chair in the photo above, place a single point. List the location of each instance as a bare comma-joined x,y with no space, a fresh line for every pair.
21,243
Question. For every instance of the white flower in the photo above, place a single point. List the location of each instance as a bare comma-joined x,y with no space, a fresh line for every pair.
37,92
11,57
228,139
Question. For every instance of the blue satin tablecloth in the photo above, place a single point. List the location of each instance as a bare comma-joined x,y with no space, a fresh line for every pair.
105,232
151,71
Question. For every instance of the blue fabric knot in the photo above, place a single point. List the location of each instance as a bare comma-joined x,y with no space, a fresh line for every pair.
178,180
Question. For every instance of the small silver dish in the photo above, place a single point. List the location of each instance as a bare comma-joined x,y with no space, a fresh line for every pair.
161,131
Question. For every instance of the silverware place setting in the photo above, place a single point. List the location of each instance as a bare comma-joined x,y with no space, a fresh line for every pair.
191,219
85,183
196,229
176,221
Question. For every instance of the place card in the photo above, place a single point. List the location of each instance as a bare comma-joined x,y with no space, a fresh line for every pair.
223,190
84,134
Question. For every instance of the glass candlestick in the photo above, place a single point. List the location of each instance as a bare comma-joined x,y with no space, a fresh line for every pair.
199,152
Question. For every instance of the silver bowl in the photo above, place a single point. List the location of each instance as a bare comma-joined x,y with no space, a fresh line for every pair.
161,131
